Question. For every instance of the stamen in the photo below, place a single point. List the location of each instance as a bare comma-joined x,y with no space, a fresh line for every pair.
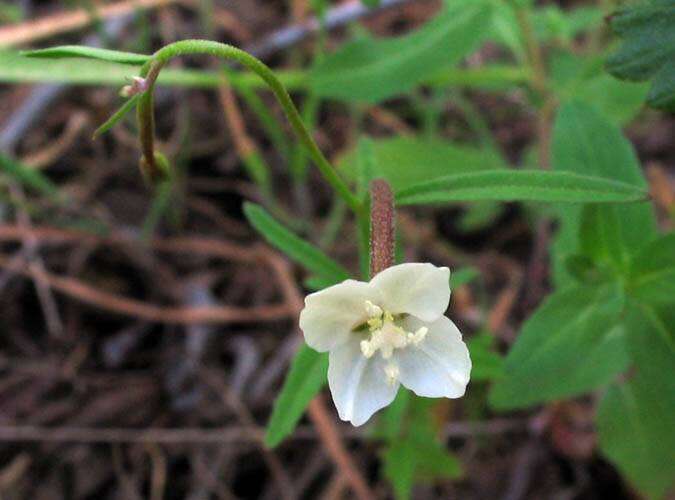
387,351
418,336
372,310
386,335
392,372
367,349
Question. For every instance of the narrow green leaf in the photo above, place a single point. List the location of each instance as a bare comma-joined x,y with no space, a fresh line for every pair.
572,344
585,271
257,169
117,116
520,185
479,215
371,70
160,208
489,77
405,161
586,143
579,78
305,379
15,68
28,176
636,418
294,247
662,92
414,452
648,48
600,237
82,51
399,464
550,22
652,273
463,276
315,282
366,166
487,364
390,421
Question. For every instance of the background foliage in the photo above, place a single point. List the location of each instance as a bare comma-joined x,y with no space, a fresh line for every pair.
529,146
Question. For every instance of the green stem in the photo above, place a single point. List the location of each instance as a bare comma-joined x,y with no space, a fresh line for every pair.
335,219
535,56
363,228
539,84
185,47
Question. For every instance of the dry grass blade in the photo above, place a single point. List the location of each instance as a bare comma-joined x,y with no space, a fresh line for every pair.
141,310
39,29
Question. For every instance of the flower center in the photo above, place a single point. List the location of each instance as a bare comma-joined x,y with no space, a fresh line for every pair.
386,335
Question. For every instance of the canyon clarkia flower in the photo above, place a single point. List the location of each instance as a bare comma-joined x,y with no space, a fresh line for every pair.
388,332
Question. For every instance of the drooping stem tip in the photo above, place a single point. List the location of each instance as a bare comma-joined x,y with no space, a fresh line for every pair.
186,47
382,219
149,164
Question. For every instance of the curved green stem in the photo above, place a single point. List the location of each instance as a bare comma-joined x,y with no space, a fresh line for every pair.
145,106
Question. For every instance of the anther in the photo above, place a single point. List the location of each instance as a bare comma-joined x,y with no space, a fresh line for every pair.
367,349
418,336
372,310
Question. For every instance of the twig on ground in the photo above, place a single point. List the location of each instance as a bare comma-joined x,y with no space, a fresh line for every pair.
31,31
48,154
229,399
31,246
141,310
337,16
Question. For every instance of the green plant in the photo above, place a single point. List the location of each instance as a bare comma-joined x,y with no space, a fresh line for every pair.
606,328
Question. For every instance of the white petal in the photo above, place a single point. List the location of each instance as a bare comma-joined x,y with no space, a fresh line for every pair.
359,386
329,315
422,290
439,366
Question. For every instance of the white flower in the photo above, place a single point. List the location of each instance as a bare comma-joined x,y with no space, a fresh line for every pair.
388,332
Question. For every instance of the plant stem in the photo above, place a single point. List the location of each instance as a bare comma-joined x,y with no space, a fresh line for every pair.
162,56
363,234
539,84
382,238
534,53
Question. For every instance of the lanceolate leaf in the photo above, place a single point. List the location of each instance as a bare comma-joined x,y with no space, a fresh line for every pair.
572,344
648,48
89,53
581,78
462,276
305,379
15,68
372,70
652,273
294,247
487,364
600,237
27,176
414,453
636,418
405,161
117,115
586,143
662,93
521,185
